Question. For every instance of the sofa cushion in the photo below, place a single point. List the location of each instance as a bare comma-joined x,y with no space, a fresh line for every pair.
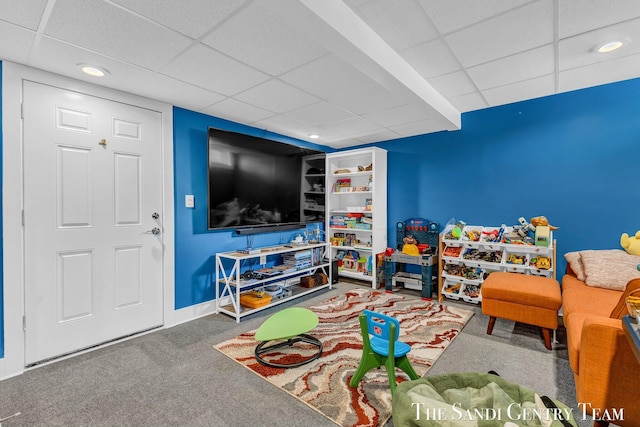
575,325
575,263
580,298
620,310
611,269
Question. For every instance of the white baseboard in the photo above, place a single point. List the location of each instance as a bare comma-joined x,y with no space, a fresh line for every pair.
4,375
192,312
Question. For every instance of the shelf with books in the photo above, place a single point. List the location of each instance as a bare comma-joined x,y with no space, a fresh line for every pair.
281,267
357,209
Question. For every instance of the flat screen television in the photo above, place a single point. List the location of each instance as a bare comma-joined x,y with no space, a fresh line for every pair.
255,184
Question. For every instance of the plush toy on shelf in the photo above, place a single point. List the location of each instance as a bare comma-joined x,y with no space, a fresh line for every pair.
631,244
541,220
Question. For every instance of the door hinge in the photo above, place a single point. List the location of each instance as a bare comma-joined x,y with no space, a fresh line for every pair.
23,217
22,110
24,323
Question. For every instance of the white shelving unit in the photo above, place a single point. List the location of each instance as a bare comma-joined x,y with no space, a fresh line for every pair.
363,173
230,283
466,263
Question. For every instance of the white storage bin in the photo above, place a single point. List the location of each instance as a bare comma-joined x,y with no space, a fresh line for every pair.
452,289
516,262
481,258
447,237
471,293
452,253
538,265
471,235
465,273
541,273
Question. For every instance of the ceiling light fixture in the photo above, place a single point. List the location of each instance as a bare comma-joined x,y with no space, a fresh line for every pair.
93,70
609,46
314,136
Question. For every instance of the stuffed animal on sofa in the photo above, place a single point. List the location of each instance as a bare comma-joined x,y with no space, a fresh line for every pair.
631,244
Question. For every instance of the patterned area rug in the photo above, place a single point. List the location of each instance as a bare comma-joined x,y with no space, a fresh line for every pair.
324,383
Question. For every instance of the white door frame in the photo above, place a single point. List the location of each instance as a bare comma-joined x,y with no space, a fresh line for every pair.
13,362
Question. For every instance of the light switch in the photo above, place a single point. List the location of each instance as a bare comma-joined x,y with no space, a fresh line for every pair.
189,201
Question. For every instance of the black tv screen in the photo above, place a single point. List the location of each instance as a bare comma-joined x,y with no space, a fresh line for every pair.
253,182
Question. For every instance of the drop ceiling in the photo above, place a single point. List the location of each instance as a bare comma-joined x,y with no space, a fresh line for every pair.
352,71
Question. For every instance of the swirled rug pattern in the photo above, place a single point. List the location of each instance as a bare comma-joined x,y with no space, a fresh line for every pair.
324,383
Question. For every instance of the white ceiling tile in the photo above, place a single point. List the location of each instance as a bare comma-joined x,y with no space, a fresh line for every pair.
21,41
90,24
343,143
600,73
453,84
204,67
276,96
232,109
358,125
521,66
256,36
431,59
519,30
578,51
167,89
401,27
469,102
579,16
453,15
23,13
416,128
375,136
62,58
534,88
327,77
192,18
396,116
281,124
368,99
319,114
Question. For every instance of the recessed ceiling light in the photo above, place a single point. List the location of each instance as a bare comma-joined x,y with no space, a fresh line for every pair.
314,136
609,46
93,70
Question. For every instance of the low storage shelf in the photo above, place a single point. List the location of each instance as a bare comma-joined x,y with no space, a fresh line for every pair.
465,262
241,274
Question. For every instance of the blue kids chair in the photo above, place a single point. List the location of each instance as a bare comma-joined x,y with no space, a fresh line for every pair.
382,348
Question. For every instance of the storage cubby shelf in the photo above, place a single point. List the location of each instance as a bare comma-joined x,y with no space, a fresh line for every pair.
464,264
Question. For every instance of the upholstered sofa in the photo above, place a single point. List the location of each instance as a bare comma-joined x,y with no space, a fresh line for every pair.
606,371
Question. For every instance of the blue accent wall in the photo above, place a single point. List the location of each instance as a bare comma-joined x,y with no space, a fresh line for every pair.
572,157
1,246
195,245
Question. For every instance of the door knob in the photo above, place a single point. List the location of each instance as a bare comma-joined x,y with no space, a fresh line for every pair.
155,231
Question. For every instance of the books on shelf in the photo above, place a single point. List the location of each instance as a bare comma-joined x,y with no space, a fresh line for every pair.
342,185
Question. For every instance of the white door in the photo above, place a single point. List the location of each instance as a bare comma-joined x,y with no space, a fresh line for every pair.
92,189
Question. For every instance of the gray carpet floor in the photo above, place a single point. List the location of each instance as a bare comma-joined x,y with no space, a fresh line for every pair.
173,377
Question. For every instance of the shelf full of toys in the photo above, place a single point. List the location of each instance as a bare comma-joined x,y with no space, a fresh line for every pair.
469,253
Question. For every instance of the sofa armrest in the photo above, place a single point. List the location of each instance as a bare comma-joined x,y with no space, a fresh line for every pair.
608,369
